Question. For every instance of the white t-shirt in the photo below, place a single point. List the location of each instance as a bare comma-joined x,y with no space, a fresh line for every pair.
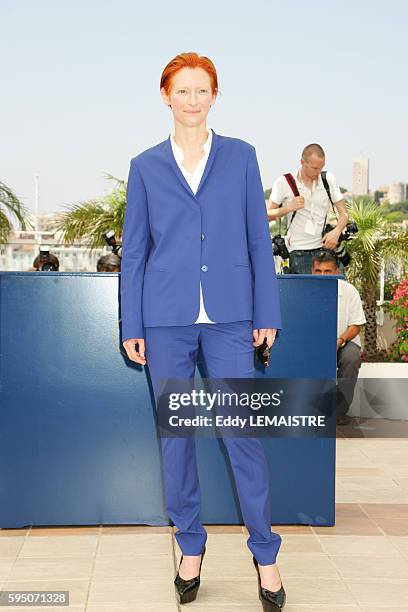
305,231
349,308
193,179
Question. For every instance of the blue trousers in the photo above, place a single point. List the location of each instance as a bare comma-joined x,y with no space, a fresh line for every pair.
227,352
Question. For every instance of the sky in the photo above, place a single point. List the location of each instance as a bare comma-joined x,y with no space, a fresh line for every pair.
80,86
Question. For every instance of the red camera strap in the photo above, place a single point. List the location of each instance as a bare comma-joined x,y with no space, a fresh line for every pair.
292,184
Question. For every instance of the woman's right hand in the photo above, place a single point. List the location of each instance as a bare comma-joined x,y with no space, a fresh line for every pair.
138,356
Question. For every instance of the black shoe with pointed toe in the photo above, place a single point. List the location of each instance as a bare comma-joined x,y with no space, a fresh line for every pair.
187,589
272,601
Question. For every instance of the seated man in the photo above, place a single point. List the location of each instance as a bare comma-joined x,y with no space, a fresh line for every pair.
350,316
108,263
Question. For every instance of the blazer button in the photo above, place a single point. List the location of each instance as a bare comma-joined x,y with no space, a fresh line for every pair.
202,236
204,268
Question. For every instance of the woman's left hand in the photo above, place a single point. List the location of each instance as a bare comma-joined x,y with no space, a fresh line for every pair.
260,334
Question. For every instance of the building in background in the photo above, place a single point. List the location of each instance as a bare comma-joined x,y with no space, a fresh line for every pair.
397,192
360,176
23,247
381,194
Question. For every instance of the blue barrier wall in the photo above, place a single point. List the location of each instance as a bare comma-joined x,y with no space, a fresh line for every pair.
78,442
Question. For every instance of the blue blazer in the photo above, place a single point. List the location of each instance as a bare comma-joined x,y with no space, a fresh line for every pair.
172,239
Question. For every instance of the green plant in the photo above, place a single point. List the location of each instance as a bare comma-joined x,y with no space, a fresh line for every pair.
88,221
13,206
376,241
398,308
389,285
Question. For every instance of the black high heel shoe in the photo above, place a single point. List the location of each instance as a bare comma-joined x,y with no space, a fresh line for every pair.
272,601
187,589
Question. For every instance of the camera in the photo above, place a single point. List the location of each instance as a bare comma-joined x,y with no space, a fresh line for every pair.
111,241
348,232
279,247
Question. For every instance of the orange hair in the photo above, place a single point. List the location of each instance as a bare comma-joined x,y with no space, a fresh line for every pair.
188,60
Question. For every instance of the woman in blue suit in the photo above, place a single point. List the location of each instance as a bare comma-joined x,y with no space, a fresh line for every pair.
198,273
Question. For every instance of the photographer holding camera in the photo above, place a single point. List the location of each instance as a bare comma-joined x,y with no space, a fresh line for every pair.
350,317
45,261
307,199
112,261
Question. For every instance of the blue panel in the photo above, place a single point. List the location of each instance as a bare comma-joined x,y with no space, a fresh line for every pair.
78,440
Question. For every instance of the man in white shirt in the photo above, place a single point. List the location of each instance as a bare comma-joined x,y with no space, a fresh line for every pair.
307,211
350,317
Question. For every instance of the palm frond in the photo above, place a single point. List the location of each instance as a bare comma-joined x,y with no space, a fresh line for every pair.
13,207
5,227
88,221
121,183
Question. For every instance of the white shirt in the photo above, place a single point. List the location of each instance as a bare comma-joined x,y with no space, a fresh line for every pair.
349,308
305,231
193,179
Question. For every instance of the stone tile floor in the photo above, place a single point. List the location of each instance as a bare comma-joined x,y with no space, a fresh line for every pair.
359,564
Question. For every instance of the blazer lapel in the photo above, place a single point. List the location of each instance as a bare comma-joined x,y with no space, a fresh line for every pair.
178,172
170,158
210,160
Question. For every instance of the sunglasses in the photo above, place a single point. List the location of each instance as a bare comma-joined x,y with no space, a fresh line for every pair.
263,353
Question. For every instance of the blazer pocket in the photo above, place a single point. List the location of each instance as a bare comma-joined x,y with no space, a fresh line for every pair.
151,269
242,265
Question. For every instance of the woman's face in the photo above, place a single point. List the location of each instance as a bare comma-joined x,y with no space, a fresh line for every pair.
190,96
